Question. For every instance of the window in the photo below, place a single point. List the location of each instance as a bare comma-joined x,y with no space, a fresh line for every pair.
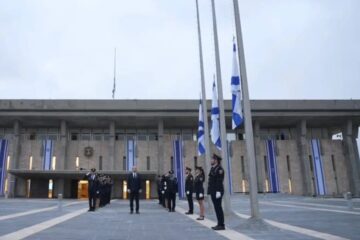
195,162
311,163
265,165
85,136
98,136
142,137
52,137
242,166
100,162
153,137
187,137
74,136
107,137
119,136
124,162
288,165
148,163
32,136
172,163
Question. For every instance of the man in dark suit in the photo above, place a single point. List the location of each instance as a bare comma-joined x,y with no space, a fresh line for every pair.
93,188
134,188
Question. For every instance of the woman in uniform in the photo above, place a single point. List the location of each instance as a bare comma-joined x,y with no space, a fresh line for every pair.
199,190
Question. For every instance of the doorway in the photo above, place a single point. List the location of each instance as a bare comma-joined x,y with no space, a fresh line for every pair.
82,189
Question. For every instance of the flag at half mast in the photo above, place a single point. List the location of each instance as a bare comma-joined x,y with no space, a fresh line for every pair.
237,114
215,119
201,132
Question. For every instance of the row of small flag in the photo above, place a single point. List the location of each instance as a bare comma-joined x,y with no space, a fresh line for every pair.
237,115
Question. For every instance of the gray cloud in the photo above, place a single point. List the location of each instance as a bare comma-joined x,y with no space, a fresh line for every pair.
64,49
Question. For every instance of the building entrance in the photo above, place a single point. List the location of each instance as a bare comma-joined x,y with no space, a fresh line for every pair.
82,189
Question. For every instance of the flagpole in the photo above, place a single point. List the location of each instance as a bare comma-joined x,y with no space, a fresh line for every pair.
249,137
114,86
203,98
227,204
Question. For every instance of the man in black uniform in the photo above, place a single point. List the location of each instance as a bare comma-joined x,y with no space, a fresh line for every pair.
171,190
93,188
216,190
158,186
189,188
134,188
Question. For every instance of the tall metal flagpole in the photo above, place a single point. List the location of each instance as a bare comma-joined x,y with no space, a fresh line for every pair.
224,150
203,94
249,137
114,86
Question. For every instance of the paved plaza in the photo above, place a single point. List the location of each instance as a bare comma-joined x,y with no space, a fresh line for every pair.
284,217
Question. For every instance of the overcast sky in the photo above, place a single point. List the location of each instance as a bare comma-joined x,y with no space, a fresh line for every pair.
295,49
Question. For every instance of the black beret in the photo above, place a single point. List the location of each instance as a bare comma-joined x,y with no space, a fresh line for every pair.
93,169
199,168
216,157
187,168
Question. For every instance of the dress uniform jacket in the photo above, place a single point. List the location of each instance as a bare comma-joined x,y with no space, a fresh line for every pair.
189,184
216,178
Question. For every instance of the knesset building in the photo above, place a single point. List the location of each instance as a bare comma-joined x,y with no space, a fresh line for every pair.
48,145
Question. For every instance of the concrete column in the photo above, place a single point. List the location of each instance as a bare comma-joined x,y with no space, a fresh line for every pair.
304,159
61,163
352,158
14,163
161,146
61,160
259,160
111,165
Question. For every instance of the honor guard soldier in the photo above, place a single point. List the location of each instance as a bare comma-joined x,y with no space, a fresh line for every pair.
171,190
93,188
163,188
216,189
189,188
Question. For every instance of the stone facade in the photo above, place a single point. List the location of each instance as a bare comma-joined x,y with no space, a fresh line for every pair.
107,128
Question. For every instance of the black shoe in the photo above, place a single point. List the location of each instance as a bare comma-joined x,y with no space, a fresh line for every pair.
137,212
131,212
189,213
200,218
218,227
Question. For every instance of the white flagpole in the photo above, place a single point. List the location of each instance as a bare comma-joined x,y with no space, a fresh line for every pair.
203,94
114,86
249,137
227,204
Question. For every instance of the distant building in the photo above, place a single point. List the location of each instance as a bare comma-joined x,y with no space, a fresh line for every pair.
48,145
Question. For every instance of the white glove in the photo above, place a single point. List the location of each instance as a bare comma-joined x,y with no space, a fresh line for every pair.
97,192
140,190
187,192
218,195
162,192
129,191
201,195
165,188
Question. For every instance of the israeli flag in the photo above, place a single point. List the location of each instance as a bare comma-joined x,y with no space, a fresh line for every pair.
201,133
215,124
237,115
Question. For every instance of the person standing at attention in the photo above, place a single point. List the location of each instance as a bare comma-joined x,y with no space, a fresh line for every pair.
134,189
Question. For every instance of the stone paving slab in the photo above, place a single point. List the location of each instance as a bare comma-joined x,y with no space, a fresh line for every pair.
155,222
